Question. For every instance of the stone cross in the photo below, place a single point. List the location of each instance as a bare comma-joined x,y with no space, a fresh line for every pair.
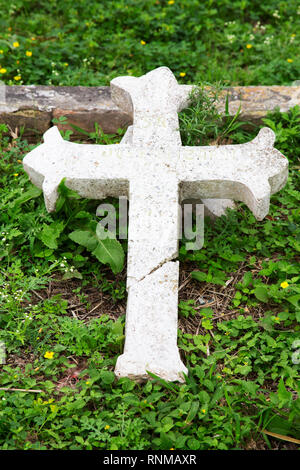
154,170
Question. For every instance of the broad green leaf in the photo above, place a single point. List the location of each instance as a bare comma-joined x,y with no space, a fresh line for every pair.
249,386
117,328
107,377
127,384
199,276
207,324
79,439
151,417
209,385
167,424
32,193
193,444
216,277
84,238
283,394
247,279
193,411
83,215
166,441
14,233
108,251
207,312
242,369
199,343
270,341
261,293
234,258
294,300
67,192
51,233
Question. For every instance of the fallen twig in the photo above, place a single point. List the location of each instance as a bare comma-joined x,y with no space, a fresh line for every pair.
74,314
184,282
91,311
7,389
38,295
74,306
224,314
206,305
281,436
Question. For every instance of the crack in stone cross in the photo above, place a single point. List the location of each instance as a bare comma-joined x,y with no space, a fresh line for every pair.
154,170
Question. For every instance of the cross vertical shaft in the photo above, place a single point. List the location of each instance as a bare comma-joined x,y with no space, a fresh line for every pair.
152,241
153,237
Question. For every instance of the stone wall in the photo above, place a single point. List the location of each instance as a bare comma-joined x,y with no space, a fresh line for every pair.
34,107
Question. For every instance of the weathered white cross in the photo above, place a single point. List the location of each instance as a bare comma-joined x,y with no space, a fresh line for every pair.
156,172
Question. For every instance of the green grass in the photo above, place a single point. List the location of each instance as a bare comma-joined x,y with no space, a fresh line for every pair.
238,42
242,356
61,342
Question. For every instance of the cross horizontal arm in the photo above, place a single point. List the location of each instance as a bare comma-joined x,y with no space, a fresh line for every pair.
94,171
248,172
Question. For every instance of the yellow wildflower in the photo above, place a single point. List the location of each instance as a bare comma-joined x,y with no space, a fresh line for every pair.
17,78
16,174
87,382
293,35
16,44
32,39
203,410
19,161
143,42
171,2
47,402
1,51
28,53
284,285
248,46
171,448
49,354
289,60
277,319
2,70
66,64
182,74
107,427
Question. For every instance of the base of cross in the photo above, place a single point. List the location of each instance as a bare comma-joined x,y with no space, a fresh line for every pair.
172,369
151,328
